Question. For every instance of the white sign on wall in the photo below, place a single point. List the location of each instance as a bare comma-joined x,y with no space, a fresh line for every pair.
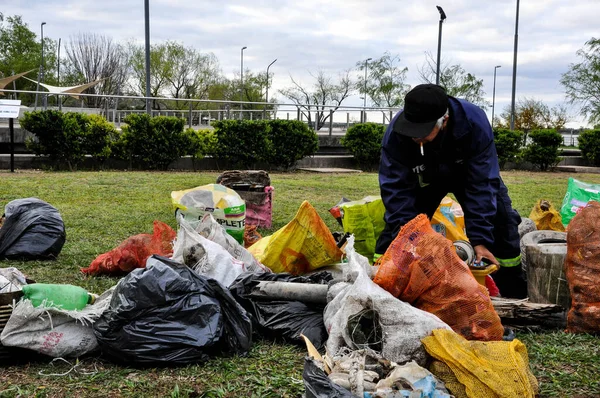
9,108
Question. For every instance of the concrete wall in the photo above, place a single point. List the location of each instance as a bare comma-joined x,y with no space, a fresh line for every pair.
28,161
20,137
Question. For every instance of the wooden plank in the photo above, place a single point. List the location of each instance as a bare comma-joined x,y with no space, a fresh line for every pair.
523,313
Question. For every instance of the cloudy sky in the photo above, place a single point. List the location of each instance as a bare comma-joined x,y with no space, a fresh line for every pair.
310,35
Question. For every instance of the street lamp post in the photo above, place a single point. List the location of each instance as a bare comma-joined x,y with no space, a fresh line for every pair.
365,96
147,45
267,88
58,97
514,76
41,71
242,79
494,94
439,51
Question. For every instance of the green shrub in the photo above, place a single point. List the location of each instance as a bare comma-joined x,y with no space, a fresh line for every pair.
364,143
46,126
241,143
199,143
589,143
543,151
60,136
153,142
100,137
290,141
508,145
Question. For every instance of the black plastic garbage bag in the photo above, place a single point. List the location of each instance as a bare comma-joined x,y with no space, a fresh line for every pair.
168,314
318,385
285,320
32,230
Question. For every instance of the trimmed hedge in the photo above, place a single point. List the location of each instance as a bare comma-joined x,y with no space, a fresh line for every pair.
364,143
100,137
508,145
589,144
199,143
278,143
241,143
153,142
543,152
289,141
68,137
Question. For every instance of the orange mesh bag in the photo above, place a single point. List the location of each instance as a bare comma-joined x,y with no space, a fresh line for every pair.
422,268
251,235
582,268
134,251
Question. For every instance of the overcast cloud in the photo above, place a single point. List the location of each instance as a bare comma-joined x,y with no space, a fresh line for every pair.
310,35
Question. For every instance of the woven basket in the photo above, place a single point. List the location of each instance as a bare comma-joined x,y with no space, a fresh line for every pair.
12,355
6,301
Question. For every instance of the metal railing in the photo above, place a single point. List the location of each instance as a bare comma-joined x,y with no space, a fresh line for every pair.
570,138
201,113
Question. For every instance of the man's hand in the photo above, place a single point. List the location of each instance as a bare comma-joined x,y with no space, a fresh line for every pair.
482,252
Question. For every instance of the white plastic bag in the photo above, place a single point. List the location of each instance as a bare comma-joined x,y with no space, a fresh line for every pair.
204,256
11,280
52,331
401,325
208,227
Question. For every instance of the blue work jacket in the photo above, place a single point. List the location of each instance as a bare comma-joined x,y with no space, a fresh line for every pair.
462,159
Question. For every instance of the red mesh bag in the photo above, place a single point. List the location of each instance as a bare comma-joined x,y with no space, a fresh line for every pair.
133,252
582,269
421,267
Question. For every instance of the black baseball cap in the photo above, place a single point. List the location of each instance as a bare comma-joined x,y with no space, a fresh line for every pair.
423,106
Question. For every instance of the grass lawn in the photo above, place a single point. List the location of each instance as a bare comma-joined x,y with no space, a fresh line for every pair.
100,209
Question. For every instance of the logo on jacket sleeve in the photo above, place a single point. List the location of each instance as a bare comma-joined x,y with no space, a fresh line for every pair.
419,169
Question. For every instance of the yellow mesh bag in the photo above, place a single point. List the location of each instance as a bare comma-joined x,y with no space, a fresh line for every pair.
486,369
303,245
546,217
445,374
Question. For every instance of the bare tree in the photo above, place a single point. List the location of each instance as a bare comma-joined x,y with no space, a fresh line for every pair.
582,81
176,71
385,81
159,70
457,82
93,57
326,95
533,114
190,73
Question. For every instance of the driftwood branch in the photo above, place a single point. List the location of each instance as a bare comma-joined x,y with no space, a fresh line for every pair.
525,314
